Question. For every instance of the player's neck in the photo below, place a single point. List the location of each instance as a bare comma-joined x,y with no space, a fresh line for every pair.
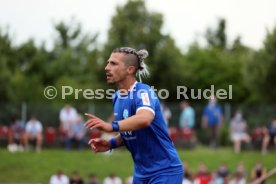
126,84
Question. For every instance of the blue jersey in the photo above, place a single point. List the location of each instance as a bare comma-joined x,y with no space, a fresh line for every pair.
151,148
213,114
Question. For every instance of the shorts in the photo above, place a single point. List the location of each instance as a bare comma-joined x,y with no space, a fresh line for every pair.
238,136
160,179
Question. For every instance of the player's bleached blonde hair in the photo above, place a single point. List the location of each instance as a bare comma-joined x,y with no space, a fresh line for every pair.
142,68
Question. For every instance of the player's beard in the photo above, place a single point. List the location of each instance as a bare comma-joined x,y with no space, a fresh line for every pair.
109,78
115,79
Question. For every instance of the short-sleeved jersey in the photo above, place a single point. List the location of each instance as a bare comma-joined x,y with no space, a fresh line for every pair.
213,114
151,148
272,130
187,118
34,127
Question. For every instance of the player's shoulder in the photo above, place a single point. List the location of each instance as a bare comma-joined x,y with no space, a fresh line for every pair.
140,85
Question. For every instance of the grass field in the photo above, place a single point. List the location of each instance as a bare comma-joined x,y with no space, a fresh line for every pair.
32,167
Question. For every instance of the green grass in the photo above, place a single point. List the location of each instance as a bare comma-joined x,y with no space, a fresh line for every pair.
35,167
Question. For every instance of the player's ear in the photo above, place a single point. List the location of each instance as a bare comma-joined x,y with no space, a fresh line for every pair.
131,70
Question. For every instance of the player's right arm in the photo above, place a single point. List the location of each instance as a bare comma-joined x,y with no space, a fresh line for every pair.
102,145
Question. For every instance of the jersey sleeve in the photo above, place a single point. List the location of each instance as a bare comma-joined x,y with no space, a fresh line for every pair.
145,99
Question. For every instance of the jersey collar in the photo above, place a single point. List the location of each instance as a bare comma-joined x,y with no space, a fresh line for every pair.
129,91
132,87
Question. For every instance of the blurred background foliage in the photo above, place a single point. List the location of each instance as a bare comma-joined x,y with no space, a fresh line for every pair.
78,60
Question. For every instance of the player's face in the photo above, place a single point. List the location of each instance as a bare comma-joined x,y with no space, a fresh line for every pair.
115,69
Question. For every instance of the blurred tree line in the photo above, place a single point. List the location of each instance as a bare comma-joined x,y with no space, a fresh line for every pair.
78,60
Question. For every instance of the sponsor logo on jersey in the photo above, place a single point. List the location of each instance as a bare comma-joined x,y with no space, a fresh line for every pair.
145,98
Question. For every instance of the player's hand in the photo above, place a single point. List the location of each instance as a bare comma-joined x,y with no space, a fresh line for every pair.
96,123
99,145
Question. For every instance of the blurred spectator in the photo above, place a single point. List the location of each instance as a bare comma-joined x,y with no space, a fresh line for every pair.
187,177
67,116
76,134
241,169
270,135
223,170
212,119
239,178
128,180
59,178
239,175
258,172
223,173
238,128
34,133
92,179
202,176
187,122
76,178
167,114
16,135
257,136
216,179
112,179
187,117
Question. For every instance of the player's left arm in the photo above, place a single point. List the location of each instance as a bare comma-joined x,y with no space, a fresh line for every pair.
141,119
145,111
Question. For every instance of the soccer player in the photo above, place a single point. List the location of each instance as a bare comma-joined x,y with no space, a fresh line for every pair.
139,121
